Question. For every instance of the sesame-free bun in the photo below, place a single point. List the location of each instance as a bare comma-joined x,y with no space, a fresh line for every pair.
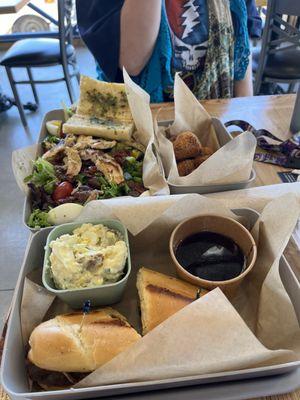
62,344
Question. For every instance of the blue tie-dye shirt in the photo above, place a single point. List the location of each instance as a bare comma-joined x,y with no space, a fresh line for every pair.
181,44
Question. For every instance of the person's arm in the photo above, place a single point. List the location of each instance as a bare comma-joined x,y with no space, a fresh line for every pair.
140,21
99,26
244,87
254,20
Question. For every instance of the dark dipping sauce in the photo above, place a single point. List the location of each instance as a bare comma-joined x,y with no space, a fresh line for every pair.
211,256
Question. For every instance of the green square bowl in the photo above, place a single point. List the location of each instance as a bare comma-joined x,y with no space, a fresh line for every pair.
98,295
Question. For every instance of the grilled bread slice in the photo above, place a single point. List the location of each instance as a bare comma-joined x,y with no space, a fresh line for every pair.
103,100
99,127
103,111
162,296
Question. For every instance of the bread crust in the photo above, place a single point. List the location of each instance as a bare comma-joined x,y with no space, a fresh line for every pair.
162,296
62,344
82,125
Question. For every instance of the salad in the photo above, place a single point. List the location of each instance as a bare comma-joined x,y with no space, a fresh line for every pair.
81,168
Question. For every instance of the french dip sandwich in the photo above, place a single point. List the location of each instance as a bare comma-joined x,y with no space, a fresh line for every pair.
162,296
66,348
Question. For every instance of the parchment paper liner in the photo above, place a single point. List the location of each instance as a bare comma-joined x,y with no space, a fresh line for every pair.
209,335
232,163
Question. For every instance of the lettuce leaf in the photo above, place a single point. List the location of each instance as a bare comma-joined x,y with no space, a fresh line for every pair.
43,175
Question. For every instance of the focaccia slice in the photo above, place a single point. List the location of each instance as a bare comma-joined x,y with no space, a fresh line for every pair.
99,127
103,100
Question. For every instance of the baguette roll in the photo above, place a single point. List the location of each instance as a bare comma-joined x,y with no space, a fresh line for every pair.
63,344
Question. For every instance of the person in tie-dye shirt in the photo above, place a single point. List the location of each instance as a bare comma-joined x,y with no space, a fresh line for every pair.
205,40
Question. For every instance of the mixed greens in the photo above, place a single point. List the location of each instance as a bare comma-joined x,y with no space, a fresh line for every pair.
38,219
80,168
43,176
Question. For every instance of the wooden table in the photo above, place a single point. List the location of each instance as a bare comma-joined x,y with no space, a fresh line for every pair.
261,3
12,6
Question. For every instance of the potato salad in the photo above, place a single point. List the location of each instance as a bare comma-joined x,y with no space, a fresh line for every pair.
92,255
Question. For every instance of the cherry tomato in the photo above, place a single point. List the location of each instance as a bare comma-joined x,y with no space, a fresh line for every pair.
62,191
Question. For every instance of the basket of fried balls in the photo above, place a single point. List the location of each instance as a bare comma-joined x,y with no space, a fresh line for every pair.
189,152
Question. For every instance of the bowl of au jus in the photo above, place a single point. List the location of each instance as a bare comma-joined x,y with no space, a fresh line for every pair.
213,251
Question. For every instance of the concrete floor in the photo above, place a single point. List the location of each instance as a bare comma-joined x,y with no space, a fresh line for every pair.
13,235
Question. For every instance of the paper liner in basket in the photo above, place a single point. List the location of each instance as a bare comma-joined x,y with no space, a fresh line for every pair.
257,197
231,163
205,337
210,335
138,100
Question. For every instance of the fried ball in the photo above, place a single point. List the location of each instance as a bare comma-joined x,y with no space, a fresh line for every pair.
206,151
199,160
185,167
186,145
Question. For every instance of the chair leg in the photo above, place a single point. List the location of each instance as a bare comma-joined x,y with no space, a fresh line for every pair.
68,82
78,77
292,87
73,63
32,85
16,96
257,84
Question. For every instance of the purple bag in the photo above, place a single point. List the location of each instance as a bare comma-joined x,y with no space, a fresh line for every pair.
279,152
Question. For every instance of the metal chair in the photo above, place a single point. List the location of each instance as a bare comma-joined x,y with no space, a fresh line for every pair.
44,52
278,60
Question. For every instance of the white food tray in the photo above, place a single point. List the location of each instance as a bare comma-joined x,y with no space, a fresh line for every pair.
240,384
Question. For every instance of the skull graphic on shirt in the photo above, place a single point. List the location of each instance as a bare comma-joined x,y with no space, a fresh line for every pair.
188,26
189,54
